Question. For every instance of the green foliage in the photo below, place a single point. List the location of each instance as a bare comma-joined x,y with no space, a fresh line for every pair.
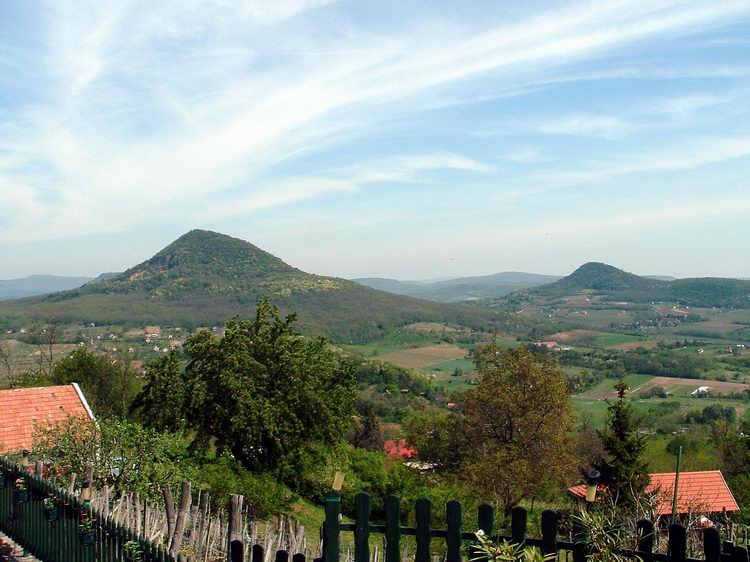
439,437
109,386
368,434
504,551
162,400
603,536
624,469
125,455
261,392
205,277
223,476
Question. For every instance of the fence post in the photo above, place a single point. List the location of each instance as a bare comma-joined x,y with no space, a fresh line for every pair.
257,553
392,529
331,528
234,529
739,554
518,519
646,535
677,543
362,528
550,523
453,538
423,515
712,544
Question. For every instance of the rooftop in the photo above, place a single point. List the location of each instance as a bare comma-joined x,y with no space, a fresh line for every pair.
22,408
703,491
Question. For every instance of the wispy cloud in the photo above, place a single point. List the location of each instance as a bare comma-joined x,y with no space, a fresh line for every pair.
211,110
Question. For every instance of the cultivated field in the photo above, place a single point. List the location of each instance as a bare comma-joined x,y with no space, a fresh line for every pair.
673,385
424,356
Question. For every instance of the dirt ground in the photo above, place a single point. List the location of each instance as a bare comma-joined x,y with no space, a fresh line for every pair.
424,356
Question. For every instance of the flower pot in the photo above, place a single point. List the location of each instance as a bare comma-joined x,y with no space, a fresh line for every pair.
88,537
21,496
51,513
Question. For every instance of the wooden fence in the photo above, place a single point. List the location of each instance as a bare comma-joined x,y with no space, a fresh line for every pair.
46,521
456,539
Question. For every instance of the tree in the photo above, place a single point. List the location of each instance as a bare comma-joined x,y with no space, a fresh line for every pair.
124,455
161,401
369,434
110,386
518,423
261,392
624,468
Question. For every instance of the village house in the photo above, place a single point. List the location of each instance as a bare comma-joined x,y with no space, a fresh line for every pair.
23,408
701,492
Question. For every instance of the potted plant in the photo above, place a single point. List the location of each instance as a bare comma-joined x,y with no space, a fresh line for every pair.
87,532
21,493
50,508
133,551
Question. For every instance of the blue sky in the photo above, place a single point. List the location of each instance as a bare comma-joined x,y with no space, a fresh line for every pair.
403,139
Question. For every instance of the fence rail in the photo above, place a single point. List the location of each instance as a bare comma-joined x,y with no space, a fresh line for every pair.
715,550
49,530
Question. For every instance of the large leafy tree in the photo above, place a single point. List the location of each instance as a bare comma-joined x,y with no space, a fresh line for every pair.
261,392
624,468
109,385
519,422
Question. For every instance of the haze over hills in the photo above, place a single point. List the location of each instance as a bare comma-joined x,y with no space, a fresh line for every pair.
38,285
461,288
204,278
619,285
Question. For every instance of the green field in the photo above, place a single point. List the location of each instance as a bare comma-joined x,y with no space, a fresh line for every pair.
615,339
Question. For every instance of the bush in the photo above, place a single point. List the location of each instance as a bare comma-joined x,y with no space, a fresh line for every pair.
224,476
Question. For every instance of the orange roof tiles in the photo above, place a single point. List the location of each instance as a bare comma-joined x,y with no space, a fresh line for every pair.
21,408
705,491
399,448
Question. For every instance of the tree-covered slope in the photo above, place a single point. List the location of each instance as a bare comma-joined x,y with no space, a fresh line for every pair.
204,277
616,284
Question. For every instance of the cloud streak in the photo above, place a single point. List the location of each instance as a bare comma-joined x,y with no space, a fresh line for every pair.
211,110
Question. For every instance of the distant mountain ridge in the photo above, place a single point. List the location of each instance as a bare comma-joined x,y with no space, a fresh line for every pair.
204,278
616,284
38,285
461,288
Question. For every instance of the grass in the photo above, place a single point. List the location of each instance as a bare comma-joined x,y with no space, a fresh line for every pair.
615,339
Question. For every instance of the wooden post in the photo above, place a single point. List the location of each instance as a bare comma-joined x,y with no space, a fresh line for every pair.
677,543
332,528
179,526
171,517
453,538
424,514
550,526
234,529
392,529
362,528
712,544
646,535
518,520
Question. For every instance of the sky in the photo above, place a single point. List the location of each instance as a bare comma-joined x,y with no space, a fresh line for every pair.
402,139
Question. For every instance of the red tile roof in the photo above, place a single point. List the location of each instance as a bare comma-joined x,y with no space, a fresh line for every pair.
399,448
23,407
705,491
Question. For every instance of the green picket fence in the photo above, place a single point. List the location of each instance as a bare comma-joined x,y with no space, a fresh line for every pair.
458,541
50,531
